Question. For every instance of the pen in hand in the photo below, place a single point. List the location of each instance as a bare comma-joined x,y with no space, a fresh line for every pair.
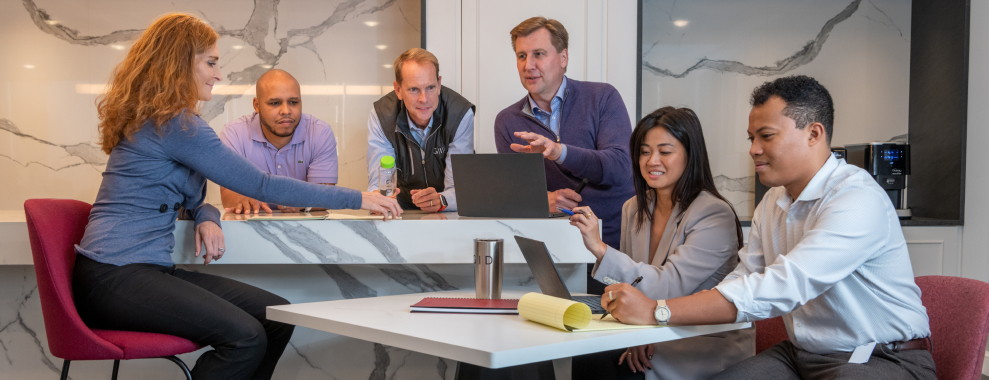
634,282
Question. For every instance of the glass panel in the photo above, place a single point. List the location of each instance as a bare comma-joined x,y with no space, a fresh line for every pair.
709,55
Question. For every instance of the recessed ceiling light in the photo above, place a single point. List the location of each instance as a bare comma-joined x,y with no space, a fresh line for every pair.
51,22
371,23
267,66
381,47
387,65
237,47
28,66
117,47
680,23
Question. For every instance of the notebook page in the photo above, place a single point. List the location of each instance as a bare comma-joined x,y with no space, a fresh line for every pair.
568,315
555,312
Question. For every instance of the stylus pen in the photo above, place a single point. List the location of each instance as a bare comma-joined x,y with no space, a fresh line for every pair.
634,282
580,187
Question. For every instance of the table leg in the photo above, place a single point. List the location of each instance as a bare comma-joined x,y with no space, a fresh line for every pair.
540,371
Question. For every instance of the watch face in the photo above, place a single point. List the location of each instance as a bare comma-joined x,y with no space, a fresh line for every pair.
663,314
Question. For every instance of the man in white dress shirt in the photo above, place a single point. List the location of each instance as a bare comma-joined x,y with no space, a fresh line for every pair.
825,251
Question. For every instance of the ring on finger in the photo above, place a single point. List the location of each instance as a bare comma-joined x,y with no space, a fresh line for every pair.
611,295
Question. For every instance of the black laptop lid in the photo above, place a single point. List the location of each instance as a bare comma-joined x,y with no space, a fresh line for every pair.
493,185
541,265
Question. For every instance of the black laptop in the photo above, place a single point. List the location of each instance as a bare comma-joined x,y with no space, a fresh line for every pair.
550,283
494,185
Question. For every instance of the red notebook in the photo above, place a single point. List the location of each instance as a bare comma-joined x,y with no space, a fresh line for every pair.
466,305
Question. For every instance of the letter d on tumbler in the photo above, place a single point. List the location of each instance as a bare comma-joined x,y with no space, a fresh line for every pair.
488,260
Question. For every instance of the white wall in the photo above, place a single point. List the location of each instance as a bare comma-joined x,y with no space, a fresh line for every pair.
975,235
476,57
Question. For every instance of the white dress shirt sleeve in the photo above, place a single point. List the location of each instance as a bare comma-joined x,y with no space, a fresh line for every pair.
463,143
377,146
841,235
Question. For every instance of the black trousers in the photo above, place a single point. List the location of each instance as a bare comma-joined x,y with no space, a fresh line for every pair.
211,310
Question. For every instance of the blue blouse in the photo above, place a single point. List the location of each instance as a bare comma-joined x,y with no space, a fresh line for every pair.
152,175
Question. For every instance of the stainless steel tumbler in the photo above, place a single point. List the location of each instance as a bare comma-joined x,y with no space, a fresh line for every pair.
488,262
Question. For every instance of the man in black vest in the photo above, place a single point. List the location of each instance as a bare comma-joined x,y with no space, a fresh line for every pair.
421,124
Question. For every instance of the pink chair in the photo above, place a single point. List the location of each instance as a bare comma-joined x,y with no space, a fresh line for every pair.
55,226
769,332
958,309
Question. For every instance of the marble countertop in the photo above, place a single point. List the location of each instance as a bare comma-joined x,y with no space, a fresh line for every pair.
443,238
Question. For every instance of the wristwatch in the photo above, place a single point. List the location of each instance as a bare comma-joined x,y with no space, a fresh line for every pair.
662,312
443,203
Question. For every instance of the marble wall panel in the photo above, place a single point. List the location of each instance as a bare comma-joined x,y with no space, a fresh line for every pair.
311,354
709,55
60,54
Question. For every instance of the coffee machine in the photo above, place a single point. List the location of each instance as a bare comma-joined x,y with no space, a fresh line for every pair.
889,164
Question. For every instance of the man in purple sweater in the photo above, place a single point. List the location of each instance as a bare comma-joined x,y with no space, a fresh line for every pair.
581,128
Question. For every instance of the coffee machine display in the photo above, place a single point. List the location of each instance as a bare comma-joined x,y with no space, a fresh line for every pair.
889,164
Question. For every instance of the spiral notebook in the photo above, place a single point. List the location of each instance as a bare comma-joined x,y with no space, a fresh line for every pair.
466,305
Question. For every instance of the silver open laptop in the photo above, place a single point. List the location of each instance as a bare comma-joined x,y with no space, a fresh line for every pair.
550,283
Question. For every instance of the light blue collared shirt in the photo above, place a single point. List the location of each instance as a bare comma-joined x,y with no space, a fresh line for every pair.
419,134
552,118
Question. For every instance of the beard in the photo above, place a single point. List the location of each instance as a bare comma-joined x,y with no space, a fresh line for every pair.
272,130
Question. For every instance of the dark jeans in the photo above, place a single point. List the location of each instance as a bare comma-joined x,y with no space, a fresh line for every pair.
786,361
210,310
602,366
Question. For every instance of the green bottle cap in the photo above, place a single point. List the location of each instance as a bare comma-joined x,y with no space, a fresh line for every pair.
387,162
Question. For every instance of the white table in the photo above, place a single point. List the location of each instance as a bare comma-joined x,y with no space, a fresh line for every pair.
491,341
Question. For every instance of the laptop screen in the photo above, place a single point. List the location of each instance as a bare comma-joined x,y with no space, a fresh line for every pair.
541,264
510,185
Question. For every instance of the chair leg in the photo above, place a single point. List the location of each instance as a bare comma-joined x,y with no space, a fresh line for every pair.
181,364
116,367
65,369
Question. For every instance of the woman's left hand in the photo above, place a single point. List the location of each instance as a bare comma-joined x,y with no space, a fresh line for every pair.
638,358
209,240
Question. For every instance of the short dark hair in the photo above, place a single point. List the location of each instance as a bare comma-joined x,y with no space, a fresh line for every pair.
558,35
807,101
683,125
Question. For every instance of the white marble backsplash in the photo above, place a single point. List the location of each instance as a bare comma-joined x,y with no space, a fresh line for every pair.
709,55
60,55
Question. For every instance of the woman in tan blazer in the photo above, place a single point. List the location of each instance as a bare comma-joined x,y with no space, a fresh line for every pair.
680,235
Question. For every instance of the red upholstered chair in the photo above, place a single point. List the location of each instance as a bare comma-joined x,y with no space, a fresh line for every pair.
769,332
958,309
959,312
55,226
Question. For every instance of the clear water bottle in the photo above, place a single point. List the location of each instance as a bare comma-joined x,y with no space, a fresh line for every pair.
387,177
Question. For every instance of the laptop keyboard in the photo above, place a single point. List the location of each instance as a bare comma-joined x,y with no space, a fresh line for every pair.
593,301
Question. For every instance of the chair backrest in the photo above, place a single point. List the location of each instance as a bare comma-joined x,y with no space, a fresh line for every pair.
54,227
958,309
769,332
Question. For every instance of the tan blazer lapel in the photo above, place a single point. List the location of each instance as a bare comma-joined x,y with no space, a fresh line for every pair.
672,238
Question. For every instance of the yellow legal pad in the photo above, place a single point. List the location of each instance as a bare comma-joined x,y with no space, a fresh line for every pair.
567,315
